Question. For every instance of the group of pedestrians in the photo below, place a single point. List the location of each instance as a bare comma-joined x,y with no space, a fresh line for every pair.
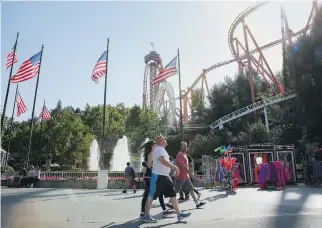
158,181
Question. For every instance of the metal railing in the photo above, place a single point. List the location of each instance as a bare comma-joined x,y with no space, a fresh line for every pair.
87,175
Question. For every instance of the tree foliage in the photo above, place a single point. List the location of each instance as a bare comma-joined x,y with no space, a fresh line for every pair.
66,138
305,61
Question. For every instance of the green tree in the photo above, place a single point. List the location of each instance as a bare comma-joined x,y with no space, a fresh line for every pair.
305,66
142,124
67,138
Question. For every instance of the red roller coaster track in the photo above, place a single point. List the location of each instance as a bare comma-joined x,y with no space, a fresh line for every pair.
245,57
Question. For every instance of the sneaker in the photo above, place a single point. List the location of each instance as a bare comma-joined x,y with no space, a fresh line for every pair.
149,219
200,204
142,216
169,206
198,195
167,212
182,216
124,191
187,197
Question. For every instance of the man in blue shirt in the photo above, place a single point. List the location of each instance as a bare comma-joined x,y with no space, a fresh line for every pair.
130,177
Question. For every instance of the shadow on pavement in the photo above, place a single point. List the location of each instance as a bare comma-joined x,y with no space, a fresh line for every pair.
217,197
133,223
129,197
217,190
61,195
137,223
289,206
10,200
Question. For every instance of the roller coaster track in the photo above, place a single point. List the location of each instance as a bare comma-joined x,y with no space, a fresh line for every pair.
241,17
251,108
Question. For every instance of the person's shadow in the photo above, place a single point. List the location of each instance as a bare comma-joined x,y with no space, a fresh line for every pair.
137,222
217,197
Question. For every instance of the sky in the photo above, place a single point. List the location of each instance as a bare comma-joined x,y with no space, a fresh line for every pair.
74,36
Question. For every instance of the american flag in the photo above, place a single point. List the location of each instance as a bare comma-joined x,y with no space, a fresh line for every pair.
28,69
100,67
21,107
10,59
168,71
45,114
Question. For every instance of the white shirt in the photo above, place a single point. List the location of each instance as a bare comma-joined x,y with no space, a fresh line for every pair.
37,173
158,168
31,173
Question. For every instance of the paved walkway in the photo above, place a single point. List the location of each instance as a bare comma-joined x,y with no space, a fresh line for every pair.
295,207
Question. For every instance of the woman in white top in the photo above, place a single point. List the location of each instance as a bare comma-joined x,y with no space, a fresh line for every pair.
30,175
36,176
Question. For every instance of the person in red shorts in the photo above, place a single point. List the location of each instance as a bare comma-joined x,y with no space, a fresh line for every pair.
183,179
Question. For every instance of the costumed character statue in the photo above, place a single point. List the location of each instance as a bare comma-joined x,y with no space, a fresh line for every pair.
228,170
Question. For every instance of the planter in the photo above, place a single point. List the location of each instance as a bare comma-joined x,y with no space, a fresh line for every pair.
120,184
115,184
89,184
73,184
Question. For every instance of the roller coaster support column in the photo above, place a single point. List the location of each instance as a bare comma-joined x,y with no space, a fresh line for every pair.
263,58
240,64
266,120
250,69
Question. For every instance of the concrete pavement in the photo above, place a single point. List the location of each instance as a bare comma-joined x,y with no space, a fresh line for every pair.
295,207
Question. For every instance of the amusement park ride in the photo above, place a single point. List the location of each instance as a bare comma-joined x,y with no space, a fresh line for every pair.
161,98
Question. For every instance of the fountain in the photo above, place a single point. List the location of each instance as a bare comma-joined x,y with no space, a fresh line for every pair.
139,158
121,155
142,152
94,157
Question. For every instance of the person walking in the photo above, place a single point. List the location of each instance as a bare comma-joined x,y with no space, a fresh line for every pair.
161,182
148,150
183,179
130,178
191,168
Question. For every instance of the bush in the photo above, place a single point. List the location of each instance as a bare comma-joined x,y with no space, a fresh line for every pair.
10,169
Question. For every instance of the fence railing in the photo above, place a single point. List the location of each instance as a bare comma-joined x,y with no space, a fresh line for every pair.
88,175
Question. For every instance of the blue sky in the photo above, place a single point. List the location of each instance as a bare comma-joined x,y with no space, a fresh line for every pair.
75,33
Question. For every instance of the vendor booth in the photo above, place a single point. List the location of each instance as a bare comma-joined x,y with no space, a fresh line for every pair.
286,155
258,154
239,154
271,165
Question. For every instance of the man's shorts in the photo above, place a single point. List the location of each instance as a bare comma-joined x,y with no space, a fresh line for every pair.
161,185
186,185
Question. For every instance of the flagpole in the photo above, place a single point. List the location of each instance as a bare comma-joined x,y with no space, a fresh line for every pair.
33,108
42,112
8,86
11,123
181,121
41,122
104,107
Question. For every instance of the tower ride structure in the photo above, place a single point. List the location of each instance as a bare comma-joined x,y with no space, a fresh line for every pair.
153,65
161,96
